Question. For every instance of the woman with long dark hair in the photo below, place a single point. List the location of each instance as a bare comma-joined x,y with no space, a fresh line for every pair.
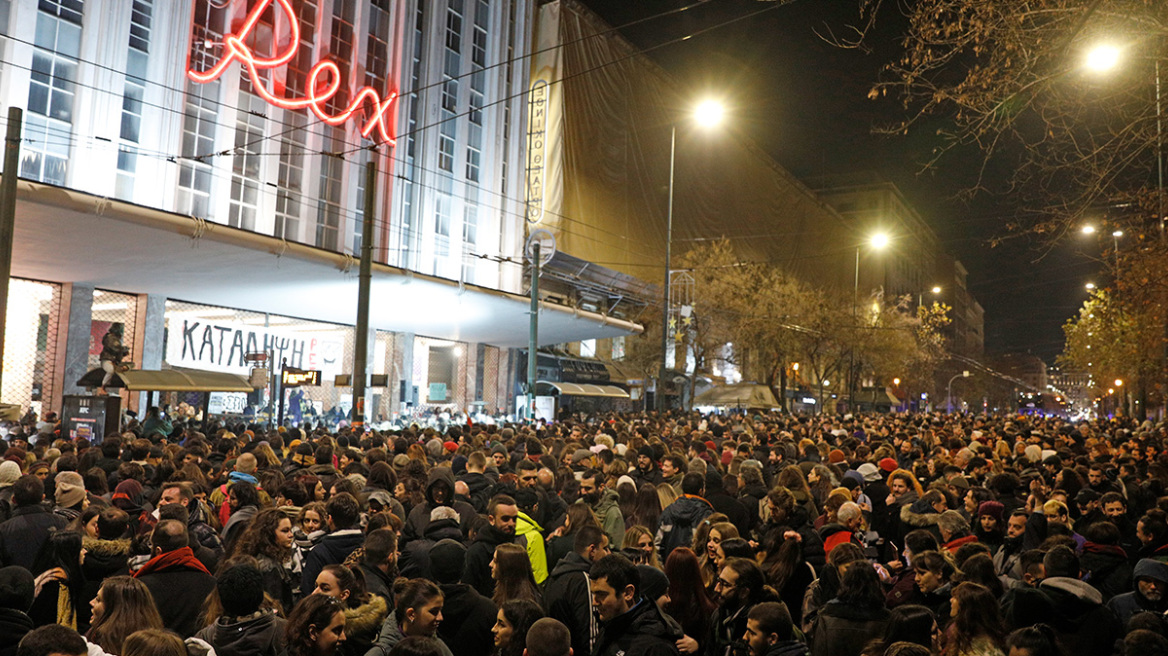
907,623
122,606
514,579
934,574
511,625
60,584
646,508
855,617
269,538
717,533
786,570
688,603
316,626
977,628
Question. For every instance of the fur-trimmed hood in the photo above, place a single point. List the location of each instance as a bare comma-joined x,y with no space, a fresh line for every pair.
366,618
98,547
912,515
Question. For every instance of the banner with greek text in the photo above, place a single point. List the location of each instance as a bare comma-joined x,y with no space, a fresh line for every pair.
197,344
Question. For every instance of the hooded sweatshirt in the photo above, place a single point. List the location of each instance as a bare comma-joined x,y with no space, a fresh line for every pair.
677,524
419,516
258,634
642,630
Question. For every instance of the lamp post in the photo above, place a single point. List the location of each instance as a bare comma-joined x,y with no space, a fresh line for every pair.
707,114
877,242
949,389
1103,58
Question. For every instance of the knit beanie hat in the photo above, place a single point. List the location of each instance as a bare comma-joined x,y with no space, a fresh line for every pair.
70,489
16,588
9,472
447,559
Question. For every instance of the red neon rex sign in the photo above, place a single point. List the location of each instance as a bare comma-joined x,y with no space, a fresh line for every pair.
318,93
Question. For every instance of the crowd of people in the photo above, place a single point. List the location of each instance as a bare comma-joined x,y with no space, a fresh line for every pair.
619,535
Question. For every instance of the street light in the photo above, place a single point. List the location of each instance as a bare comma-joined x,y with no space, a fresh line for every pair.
707,114
1088,230
877,242
1103,58
1090,286
949,389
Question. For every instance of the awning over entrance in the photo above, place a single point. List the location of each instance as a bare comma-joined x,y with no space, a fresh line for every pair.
742,395
68,236
581,389
170,380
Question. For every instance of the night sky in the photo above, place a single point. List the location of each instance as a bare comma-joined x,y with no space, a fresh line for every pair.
805,102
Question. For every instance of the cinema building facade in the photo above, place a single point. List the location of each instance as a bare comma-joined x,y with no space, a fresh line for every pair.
193,170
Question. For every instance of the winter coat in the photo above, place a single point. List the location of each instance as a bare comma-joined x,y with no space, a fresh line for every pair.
642,631
787,648
414,561
277,582
467,618
736,513
809,540
419,517
531,533
239,520
678,522
258,634
179,592
22,536
843,629
568,598
1130,603
919,514
609,514
390,634
1107,568
476,571
104,558
1073,608
751,498
480,490
377,582
14,625
362,624
332,550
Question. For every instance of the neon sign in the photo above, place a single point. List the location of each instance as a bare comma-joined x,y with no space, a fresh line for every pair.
318,93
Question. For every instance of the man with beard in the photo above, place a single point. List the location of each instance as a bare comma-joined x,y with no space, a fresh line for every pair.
646,470
502,515
770,632
1115,511
1150,593
605,503
785,515
630,623
741,586
1008,557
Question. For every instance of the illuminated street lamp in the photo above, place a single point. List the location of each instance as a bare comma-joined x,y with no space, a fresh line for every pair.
1119,382
1102,59
1088,230
1090,286
707,114
877,242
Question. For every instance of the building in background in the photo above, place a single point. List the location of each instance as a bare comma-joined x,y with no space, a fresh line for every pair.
199,195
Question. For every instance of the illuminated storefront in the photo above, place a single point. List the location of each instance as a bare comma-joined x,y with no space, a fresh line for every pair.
224,169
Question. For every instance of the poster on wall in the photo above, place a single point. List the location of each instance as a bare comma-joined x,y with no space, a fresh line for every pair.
214,346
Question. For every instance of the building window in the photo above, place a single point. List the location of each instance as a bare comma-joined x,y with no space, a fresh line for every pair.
245,165
137,59
341,52
290,181
618,348
194,176
446,151
52,90
296,79
330,210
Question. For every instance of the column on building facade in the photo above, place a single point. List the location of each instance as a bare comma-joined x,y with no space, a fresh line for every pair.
149,334
404,371
77,327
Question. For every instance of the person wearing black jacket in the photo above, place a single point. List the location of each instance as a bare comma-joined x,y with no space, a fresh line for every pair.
567,597
343,514
467,615
16,597
724,503
502,513
415,557
629,623
22,536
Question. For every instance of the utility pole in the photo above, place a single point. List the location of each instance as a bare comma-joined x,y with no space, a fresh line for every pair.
364,282
8,215
533,337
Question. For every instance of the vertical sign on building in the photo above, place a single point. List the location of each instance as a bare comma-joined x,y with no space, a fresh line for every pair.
545,123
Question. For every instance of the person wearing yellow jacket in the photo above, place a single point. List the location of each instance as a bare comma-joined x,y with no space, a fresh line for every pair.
532,533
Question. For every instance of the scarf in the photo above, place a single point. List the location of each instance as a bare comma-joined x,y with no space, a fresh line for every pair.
66,615
179,558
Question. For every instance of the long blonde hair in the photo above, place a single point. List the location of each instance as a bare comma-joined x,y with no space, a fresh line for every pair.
633,534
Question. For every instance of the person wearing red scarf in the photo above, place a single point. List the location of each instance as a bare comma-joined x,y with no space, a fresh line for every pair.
179,582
